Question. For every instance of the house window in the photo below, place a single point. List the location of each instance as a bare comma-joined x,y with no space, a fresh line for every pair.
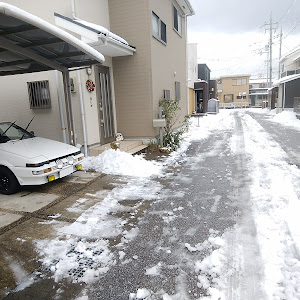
39,94
177,21
228,98
241,81
177,90
167,94
159,28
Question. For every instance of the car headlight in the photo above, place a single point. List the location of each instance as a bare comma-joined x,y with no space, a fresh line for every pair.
71,160
59,164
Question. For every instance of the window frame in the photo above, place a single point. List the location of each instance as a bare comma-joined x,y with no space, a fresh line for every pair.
167,94
161,34
177,91
177,21
241,81
39,94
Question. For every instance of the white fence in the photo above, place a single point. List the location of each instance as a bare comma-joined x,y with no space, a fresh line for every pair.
234,105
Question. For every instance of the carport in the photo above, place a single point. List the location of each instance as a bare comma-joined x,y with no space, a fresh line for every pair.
29,44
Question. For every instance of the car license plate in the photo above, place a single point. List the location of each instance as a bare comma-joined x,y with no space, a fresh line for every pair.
66,171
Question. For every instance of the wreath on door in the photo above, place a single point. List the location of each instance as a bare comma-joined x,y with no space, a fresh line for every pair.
90,85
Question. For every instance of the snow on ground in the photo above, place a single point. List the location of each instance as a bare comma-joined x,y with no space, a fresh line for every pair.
273,195
276,207
286,118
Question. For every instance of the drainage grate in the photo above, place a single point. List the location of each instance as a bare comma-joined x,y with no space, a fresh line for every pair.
85,262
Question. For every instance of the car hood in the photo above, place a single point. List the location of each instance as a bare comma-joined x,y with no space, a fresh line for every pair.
39,148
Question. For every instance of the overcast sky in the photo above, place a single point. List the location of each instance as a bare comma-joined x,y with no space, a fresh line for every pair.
231,35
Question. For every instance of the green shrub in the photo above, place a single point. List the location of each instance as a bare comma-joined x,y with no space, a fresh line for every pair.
172,138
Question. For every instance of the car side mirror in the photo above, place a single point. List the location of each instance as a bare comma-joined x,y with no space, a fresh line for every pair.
32,132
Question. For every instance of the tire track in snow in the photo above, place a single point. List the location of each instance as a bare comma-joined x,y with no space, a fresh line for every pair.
244,257
274,197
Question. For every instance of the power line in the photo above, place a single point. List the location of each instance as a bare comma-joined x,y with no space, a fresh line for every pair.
287,12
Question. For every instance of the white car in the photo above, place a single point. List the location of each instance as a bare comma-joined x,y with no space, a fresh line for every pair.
29,160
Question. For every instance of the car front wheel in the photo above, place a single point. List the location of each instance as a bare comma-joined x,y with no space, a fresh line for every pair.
8,182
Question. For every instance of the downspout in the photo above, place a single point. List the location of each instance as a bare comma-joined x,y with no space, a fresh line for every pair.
82,113
61,109
283,102
186,67
73,9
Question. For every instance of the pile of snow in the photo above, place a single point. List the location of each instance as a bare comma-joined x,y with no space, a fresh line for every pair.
116,162
287,118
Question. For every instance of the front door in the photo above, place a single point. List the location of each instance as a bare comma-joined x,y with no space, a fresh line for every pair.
105,106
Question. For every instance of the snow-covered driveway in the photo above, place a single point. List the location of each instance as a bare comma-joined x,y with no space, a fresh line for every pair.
217,219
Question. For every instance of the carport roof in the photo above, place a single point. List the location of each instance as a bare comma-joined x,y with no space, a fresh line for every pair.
29,44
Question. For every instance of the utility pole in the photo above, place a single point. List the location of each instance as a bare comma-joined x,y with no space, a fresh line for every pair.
270,70
271,42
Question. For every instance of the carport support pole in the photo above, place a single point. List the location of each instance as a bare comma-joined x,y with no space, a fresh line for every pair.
67,91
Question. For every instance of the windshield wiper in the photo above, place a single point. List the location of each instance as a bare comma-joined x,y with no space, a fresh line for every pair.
8,127
26,128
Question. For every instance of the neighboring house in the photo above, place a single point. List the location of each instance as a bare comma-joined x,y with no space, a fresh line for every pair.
203,72
192,67
258,92
213,89
289,83
137,39
201,89
233,91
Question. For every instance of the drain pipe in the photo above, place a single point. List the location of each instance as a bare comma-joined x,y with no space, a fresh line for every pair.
61,109
82,113
73,9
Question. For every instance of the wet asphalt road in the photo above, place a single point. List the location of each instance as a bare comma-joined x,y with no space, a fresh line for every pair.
206,191
287,137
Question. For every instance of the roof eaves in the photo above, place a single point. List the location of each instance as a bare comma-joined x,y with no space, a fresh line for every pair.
97,31
186,6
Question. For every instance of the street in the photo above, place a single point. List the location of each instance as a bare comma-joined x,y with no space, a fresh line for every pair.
217,219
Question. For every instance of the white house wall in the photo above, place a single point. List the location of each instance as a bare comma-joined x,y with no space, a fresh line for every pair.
288,64
192,65
15,104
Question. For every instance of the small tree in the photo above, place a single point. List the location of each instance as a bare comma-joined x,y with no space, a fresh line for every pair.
172,138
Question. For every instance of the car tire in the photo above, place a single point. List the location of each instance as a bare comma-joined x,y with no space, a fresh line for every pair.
9,184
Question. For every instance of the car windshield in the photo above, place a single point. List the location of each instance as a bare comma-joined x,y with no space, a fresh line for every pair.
10,131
